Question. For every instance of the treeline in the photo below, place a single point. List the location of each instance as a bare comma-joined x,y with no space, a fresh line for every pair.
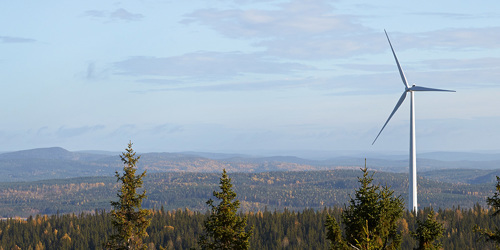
374,219
180,229
274,190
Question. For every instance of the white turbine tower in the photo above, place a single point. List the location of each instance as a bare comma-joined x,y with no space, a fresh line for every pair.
412,189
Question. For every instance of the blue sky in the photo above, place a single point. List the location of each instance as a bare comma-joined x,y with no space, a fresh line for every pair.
247,76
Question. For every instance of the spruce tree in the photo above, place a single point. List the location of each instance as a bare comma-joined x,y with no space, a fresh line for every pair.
129,219
224,229
334,234
494,202
428,232
370,220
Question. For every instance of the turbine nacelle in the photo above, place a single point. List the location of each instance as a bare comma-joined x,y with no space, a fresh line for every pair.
408,89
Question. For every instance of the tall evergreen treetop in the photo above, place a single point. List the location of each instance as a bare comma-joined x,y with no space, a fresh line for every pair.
428,232
224,229
370,220
494,202
129,219
376,210
334,234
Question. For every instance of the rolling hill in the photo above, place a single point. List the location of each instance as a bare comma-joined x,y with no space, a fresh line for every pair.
293,190
55,163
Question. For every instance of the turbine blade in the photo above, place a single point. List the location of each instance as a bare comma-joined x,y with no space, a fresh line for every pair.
418,88
403,77
401,100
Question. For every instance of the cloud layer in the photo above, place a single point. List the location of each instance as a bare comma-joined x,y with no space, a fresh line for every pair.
11,39
118,14
296,30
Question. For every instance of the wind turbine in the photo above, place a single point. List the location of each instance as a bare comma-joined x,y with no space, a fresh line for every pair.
412,189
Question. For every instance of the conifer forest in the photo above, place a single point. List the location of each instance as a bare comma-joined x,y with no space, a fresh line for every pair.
179,229
335,209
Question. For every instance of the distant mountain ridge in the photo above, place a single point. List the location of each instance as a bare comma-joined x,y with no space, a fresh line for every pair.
40,153
460,156
53,153
57,162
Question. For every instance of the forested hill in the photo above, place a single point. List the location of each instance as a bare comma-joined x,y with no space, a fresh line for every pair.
294,190
55,163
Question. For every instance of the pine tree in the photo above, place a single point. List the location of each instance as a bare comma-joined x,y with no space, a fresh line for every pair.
428,232
129,219
370,220
224,229
494,202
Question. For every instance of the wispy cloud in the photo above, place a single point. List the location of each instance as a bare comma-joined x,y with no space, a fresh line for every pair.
329,47
314,29
450,39
12,39
426,65
255,85
368,67
297,17
307,31
457,16
368,84
248,1
90,71
77,131
469,78
298,29
166,129
206,65
450,73
167,82
118,14
93,72
125,15
96,13
460,64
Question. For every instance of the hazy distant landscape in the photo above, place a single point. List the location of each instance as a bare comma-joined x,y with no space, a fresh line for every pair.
293,190
51,180
57,163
